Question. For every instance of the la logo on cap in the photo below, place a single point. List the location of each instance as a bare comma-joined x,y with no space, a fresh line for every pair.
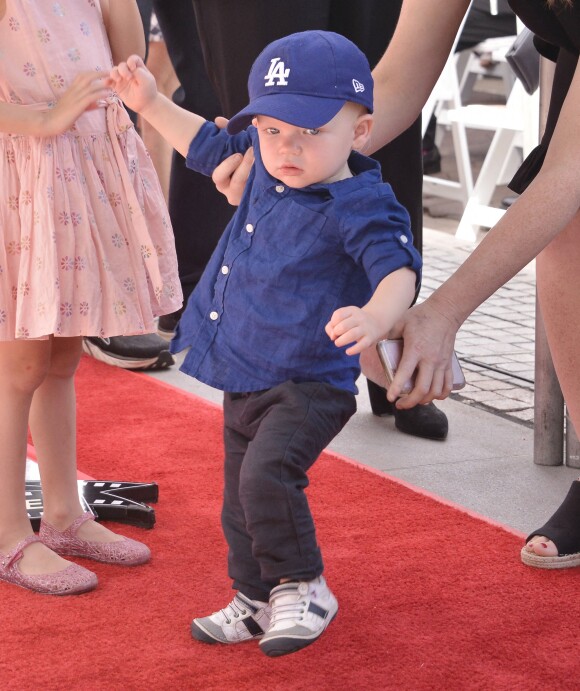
277,71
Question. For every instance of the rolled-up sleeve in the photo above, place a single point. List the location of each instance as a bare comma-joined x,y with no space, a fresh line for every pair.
377,235
212,145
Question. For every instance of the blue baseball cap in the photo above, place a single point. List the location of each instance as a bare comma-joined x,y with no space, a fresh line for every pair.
305,79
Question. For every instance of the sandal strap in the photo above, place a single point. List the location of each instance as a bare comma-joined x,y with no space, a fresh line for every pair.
76,524
18,552
563,528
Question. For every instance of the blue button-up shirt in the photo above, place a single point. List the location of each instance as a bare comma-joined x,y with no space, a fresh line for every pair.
286,261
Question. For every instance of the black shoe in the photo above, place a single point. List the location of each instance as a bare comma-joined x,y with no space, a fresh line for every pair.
167,324
431,161
424,421
147,351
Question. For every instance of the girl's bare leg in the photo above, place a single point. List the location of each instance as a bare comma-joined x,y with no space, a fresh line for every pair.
558,281
23,365
53,429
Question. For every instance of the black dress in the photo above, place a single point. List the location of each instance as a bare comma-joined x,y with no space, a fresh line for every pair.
557,32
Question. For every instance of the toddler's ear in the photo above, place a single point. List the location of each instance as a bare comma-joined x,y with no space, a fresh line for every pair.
362,131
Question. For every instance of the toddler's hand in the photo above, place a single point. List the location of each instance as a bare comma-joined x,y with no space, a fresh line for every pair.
353,324
134,83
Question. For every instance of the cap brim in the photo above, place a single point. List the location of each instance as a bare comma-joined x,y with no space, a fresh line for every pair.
296,109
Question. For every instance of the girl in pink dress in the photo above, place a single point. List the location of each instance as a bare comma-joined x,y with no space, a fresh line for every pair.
86,250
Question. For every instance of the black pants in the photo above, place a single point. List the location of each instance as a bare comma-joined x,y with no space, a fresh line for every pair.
233,32
272,438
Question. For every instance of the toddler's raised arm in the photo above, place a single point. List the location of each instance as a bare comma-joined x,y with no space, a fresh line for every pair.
137,88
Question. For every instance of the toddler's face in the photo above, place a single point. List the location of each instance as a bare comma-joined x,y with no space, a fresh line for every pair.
300,157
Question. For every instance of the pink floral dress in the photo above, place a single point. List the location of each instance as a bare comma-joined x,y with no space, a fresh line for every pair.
86,246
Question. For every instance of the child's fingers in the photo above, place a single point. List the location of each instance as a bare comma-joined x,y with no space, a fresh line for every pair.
340,314
343,321
114,74
350,336
359,346
329,331
221,122
123,71
134,62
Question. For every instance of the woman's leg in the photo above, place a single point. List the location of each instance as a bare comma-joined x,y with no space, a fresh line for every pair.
23,366
558,281
53,429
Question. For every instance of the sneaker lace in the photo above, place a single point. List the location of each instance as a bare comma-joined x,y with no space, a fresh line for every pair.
287,606
234,610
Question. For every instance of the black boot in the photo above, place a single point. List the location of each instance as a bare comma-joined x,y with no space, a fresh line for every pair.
425,421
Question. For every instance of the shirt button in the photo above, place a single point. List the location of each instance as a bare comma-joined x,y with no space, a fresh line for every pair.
279,188
404,239
213,315
225,270
250,228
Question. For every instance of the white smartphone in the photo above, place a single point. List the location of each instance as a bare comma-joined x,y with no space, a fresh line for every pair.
390,352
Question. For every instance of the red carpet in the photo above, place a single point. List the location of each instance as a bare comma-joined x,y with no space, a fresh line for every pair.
423,603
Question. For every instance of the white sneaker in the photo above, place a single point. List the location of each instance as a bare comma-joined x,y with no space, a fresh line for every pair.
242,620
300,614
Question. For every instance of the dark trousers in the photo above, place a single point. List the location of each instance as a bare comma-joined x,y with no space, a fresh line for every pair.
272,438
233,32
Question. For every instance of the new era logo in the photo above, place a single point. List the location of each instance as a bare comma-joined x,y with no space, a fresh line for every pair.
358,87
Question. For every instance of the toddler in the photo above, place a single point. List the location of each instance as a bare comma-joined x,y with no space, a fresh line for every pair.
316,265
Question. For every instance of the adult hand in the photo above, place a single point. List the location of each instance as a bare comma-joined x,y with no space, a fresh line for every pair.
428,339
231,175
372,367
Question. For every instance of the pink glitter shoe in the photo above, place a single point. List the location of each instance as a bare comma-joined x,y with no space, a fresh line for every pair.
127,552
72,580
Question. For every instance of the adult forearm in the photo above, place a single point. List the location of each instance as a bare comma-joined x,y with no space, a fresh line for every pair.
530,224
408,71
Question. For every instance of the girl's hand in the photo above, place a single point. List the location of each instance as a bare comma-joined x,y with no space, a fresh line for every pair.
86,89
353,324
134,83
